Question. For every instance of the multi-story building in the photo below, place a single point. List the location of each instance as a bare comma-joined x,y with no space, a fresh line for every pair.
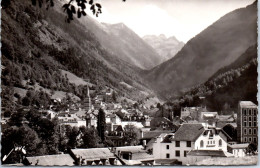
247,128
187,138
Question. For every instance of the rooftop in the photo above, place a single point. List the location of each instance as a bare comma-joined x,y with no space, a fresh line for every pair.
51,160
188,132
133,149
215,153
239,146
153,134
93,153
247,104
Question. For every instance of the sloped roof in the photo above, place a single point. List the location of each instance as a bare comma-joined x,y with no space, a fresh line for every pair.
188,132
133,149
93,153
51,160
239,146
142,156
247,104
153,134
168,138
214,153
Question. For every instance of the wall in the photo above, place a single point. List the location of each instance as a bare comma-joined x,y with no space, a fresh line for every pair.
213,146
160,150
191,160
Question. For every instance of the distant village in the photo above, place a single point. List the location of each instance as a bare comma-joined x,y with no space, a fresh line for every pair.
193,137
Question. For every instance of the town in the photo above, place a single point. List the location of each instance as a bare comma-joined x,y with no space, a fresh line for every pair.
129,83
134,135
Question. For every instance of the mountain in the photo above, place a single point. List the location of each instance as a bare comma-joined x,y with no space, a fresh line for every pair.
217,46
229,85
123,43
38,46
165,47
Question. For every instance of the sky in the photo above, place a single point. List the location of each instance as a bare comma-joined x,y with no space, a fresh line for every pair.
183,19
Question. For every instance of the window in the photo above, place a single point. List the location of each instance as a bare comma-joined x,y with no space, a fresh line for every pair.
177,153
249,111
245,118
201,144
220,142
245,131
250,123
245,139
185,153
249,139
167,155
167,147
188,143
255,132
244,123
249,131
255,112
254,139
249,118
244,111
177,143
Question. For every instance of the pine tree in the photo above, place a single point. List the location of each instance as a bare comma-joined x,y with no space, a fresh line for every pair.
101,124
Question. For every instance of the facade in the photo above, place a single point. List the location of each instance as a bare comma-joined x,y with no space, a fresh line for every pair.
247,129
189,137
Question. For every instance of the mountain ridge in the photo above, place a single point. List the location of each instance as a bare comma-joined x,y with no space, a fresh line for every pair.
215,47
165,47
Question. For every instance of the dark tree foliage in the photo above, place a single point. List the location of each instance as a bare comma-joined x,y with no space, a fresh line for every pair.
73,7
131,135
101,124
251,149
22,136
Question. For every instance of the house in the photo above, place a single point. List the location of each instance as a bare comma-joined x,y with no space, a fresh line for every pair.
208,118
151,135
189,137
247,129
193,112
49,160
238,150
71,119
94,156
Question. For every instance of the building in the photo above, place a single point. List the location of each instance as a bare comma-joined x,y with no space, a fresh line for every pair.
247,129
238,150
189,137
71,119
94,156
134,155
195,156
49,160
193,112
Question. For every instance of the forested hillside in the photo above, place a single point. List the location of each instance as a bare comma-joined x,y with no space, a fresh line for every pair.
229,85
37,44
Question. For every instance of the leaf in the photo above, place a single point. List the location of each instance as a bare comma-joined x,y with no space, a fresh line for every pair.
79,13
98,5
92,7
83,6
73,10
91,2
83,13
